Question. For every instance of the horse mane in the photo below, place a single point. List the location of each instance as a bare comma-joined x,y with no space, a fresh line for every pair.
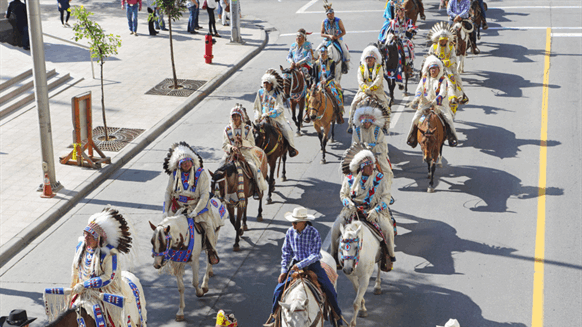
61,317
229,168
269,129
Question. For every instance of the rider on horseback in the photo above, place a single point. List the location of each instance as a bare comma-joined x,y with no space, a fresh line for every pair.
458,10
188,191
324,77
269,103
369,122
301,251
404,29
96,268
483,15
365,191
434,90
444,49
300,54
333,30
239,144
370,81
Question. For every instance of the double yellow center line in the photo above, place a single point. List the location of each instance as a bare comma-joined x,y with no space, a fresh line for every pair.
537,319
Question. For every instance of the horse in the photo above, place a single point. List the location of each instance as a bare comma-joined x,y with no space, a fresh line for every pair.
295,89
393,45
389,63
174,234
321,110
359,250
431,135
477,19
334,54
461,31
412,8
228,178
272,141
299,307
57,305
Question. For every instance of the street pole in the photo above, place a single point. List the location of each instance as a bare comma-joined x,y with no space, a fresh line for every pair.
235,22
41,92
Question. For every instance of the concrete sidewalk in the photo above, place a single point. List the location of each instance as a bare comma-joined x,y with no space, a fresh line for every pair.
142,63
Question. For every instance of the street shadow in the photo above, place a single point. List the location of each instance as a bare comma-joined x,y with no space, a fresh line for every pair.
36,297
488,110
55,52
508,85
137,175
435,242
497,141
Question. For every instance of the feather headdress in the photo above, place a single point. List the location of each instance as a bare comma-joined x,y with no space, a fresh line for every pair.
431,61
327,6
439,30
177,152
371,114
373,51
353,156
273,77
374,103
110,226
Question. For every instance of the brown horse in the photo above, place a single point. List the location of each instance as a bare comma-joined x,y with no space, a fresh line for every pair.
412,8
271,140
431,135
477,19
69,319
295,89
227,178
321,111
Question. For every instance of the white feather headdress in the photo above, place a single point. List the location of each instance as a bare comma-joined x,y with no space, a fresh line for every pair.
112,229
375,115
440,29
177,152
371,50
432,60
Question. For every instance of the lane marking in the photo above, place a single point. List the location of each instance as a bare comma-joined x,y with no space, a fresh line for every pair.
535,28
537,319
302,9
566,34
398,112
538,7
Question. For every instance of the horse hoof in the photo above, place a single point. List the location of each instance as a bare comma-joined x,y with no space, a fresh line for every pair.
323,161
269,201
284,178
363,314
298,133
236,248
260,218
430,190
211,274
179,317
245,228
377,291
204,290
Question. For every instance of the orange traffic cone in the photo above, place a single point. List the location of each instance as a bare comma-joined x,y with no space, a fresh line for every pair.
47,191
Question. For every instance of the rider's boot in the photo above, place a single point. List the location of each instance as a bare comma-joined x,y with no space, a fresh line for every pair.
485,26
451,133
293,152
465,99
412,139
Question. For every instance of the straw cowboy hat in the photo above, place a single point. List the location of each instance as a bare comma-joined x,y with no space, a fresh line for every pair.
16,317
299,214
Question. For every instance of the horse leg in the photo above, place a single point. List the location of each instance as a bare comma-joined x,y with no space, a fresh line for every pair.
260,214
237,229
271,180
209,273
431,167
301,105
244,226
195,265
359,301
378,284
333,132
233,220
180,280
284,176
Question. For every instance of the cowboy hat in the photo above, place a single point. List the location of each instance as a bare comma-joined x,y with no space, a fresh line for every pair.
298,214
16,317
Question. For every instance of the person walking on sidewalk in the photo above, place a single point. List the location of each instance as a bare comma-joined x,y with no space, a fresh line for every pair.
152,19
210,6
192,6
132,9
18,9
159,23
64,7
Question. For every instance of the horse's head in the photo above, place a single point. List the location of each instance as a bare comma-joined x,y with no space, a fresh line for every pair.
287,75
429,137
295,308
315,102
260,134
161,243
350,244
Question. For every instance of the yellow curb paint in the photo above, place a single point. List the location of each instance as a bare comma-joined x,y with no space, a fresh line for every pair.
537,319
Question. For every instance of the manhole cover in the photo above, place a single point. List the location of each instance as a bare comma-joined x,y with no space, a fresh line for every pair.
186,87
118,137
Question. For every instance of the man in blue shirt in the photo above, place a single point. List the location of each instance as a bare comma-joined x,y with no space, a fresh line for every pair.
458,10
301,251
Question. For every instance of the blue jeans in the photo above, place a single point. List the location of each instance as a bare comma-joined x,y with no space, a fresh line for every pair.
132,17
482,9
159,23
25,39
193,20
323,280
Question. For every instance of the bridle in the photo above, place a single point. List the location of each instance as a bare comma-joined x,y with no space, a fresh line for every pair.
346,245
290,80
317,101
165,254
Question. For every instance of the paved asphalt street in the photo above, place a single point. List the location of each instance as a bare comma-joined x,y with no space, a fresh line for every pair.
467,251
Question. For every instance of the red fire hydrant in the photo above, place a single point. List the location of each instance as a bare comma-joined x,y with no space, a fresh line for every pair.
208,49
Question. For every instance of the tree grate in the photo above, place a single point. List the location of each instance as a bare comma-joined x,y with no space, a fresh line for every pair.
118,137
186,87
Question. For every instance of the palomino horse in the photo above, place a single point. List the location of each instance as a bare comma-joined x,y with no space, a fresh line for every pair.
272,141
299,307
461,30
57,305
412,8
477,19
359,251
228,178
321,110
172,235
431,135
295,89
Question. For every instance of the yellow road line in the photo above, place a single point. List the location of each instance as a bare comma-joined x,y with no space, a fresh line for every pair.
537,319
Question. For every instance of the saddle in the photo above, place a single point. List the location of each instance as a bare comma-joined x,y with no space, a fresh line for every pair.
377,232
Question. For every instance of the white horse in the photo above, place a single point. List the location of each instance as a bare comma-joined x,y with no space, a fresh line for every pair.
359,250
299,308
334,55
173,234
460,30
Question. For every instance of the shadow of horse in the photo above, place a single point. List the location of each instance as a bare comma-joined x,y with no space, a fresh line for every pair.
509,85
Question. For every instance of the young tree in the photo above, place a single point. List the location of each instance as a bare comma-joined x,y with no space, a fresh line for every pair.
173,10
101,45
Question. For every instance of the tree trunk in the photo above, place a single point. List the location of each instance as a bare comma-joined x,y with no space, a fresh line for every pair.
172,54
103,104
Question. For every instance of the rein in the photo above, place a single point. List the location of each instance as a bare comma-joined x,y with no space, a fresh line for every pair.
290,80
324,106
345,244
178,255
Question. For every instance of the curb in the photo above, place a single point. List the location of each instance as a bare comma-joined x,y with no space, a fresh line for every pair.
32,231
